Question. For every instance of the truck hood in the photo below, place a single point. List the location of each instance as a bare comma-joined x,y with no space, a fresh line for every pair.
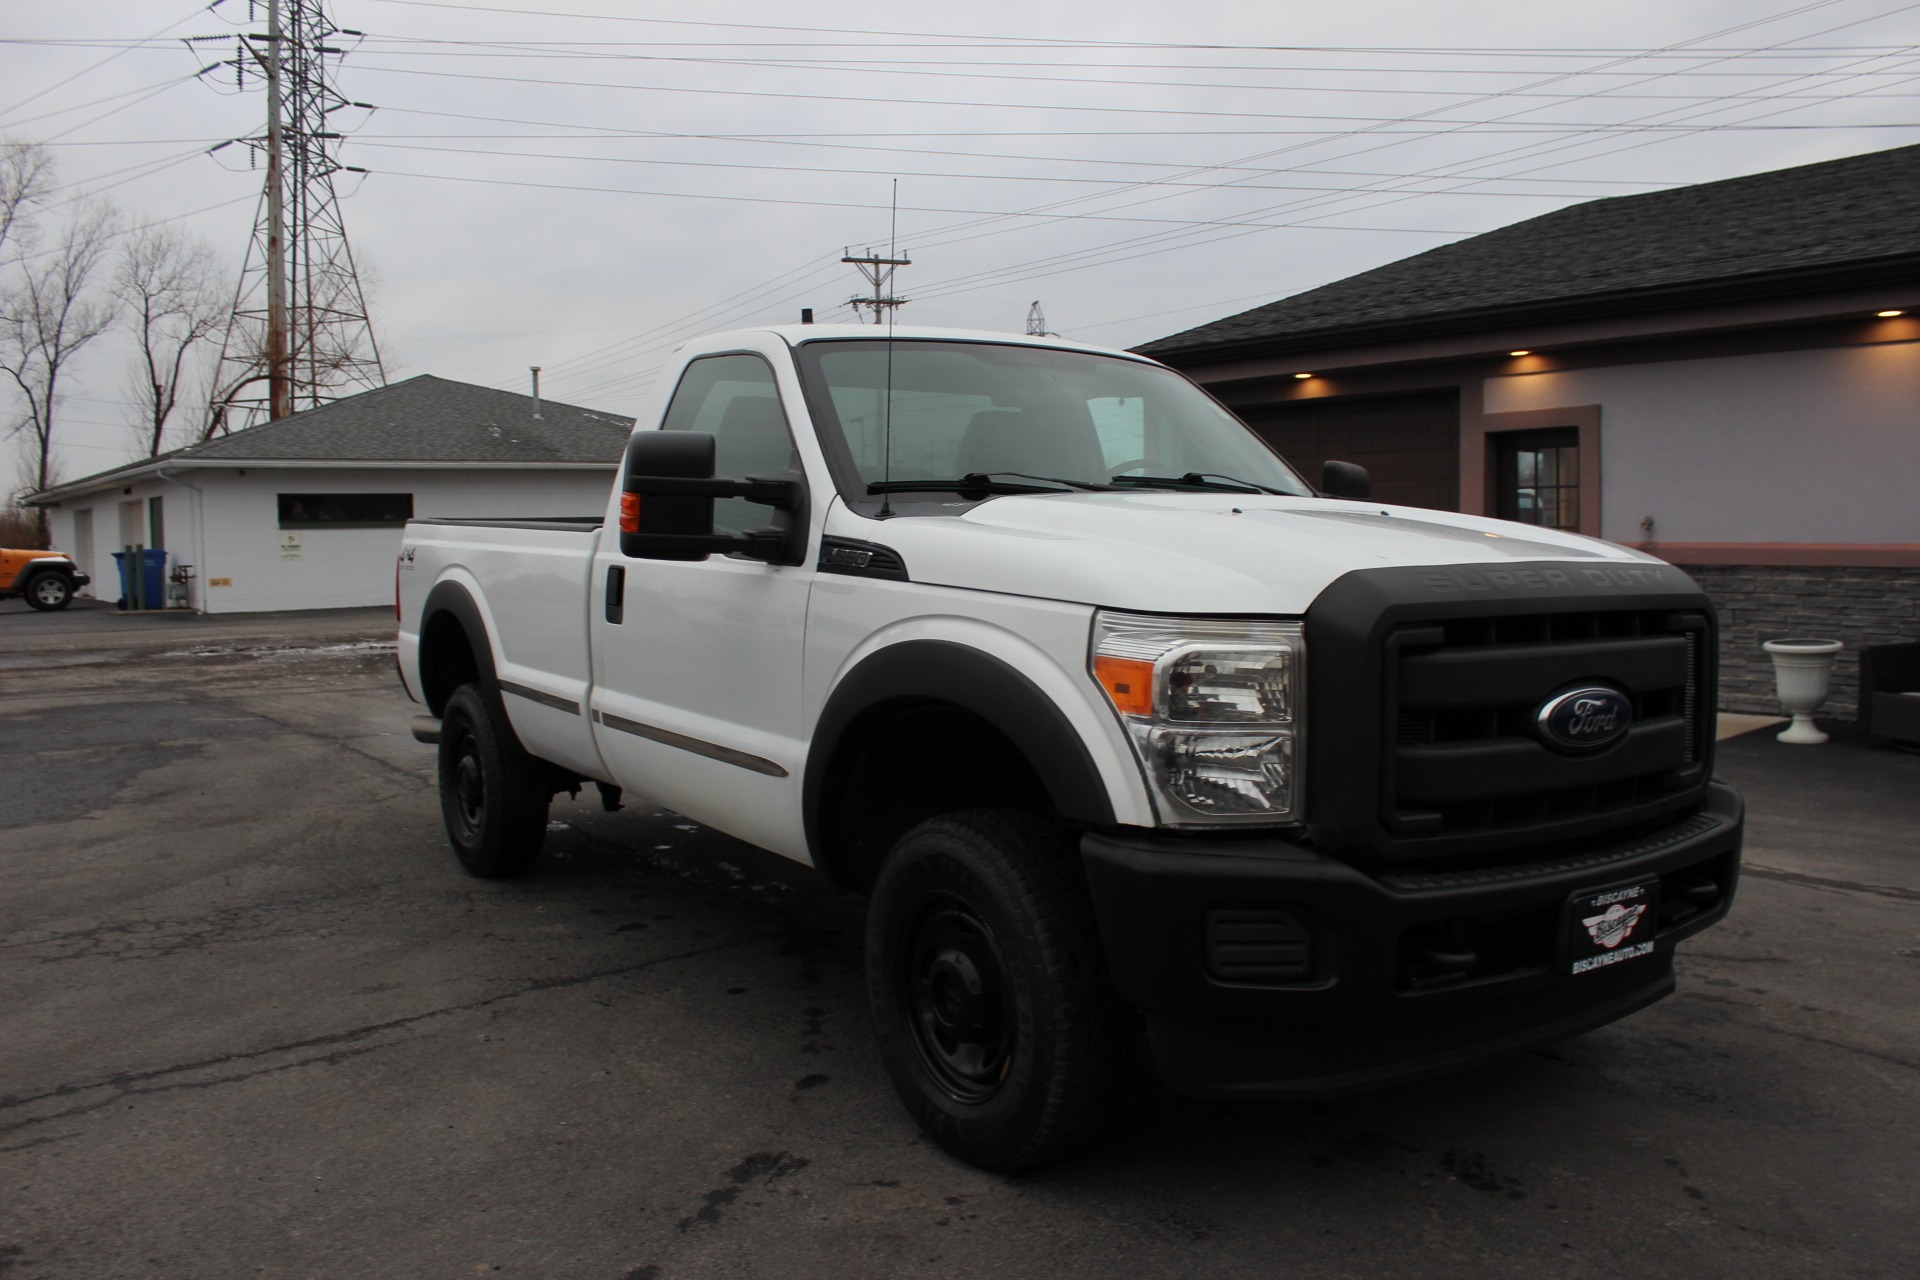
1200,553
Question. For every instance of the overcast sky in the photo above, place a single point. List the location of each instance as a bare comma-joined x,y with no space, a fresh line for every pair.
582,185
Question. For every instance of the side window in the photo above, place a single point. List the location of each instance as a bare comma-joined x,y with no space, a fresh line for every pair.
733,399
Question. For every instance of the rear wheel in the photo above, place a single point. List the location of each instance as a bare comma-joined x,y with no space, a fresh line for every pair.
490,794
50,591
991,1002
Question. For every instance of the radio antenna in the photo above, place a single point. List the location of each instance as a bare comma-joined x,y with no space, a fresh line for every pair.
886,429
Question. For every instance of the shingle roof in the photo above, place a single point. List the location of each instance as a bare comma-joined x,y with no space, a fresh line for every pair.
429,419
1783,231
422,420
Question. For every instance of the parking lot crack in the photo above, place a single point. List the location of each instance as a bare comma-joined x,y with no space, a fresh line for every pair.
1893,891
338,1046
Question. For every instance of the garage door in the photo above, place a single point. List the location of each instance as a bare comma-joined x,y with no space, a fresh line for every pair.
1410,444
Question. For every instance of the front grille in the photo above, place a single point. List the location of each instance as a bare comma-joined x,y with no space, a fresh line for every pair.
1464,755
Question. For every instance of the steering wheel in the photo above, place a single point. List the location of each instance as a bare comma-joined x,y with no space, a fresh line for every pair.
1128,465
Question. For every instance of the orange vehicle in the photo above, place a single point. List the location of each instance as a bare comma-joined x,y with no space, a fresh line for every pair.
48,579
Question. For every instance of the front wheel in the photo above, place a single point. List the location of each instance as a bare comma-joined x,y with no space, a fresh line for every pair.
490,794
50,591
991,1003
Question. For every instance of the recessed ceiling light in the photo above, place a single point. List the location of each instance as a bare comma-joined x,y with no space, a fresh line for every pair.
1522,352
1888,315
1303,375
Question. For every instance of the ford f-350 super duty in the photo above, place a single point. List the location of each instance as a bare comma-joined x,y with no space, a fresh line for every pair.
1121,725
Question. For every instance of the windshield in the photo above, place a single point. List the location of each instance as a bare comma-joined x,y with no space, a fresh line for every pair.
985,409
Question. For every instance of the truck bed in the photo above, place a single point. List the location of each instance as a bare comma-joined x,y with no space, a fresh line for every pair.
528,579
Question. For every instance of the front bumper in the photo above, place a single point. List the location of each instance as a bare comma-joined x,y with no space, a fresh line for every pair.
1370,1002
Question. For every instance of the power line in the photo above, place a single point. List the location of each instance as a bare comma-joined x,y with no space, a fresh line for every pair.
1157,112
1131,249
89,70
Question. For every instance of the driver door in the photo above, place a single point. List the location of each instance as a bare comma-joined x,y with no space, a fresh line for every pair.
696,700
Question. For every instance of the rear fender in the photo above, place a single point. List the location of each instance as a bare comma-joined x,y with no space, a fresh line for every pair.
442,670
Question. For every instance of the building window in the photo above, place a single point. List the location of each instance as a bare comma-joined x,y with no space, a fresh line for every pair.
345,510
1539,477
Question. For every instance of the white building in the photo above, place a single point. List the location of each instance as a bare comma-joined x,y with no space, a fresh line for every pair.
306,512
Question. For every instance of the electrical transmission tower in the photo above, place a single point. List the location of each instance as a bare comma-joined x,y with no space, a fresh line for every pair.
300,335
1037,323
879,274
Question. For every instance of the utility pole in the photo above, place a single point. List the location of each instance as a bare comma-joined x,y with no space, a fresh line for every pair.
300,327
879,274
279,374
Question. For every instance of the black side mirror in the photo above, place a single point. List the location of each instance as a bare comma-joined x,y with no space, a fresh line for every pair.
1345,480
667,490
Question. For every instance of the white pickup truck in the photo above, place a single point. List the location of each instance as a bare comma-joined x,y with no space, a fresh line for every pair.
1122,725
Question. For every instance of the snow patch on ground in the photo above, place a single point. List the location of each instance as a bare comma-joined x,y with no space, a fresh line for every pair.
285,652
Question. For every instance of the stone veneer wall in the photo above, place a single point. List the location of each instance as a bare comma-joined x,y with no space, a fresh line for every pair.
1756,603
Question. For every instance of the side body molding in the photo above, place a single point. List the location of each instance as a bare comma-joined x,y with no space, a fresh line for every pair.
923,672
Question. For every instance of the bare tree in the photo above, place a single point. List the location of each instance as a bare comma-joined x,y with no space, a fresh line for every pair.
26,174
51,312
168,284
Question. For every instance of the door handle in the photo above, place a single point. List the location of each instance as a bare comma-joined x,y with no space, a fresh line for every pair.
616,592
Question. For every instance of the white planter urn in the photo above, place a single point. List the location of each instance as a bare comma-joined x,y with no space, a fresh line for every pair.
1801,670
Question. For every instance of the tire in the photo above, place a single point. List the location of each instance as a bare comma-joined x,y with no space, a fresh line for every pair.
990,997
490,794
50,591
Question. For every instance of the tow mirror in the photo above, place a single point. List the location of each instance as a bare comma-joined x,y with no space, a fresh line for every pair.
1345,480
667,489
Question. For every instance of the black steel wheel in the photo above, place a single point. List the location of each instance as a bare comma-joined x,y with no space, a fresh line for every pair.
490,794
961,1019
50,591
993,1011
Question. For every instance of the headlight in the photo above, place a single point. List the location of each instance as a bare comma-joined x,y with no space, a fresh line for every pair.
1215,710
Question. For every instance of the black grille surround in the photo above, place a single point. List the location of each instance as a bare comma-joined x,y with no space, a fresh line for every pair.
1425,685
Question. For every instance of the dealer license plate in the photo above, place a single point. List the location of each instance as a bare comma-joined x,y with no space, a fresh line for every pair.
1611,926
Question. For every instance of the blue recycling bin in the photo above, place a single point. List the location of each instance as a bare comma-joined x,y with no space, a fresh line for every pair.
152,584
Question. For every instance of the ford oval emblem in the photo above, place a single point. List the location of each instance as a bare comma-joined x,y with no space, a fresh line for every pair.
1586,719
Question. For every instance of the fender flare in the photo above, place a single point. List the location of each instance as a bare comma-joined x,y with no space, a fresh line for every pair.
964,677
453,598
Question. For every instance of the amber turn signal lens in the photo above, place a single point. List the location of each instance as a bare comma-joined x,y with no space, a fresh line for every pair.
629,513
1128,681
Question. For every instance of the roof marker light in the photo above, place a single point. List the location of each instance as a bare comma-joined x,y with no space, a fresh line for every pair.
1888,315
1521,352
1303,375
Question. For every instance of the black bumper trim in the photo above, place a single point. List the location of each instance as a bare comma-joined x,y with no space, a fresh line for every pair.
1240,1060
1699,825
1354,1018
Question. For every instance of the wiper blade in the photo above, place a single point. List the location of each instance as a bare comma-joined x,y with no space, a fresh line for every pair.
1200,480
985,482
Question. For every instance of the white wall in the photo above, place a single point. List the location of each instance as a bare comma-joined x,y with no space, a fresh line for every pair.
336,568
1801,446
179,535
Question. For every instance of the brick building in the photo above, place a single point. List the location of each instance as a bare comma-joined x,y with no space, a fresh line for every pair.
1726,375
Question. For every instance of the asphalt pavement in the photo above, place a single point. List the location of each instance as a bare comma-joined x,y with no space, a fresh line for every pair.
256,1022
